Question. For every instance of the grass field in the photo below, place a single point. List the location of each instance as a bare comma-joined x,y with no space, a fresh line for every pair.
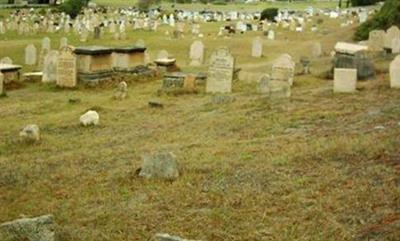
316,167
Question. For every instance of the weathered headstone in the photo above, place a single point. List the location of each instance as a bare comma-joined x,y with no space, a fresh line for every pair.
392,33
46,43
257,48
161,165
32,229
2,92
395,73
196,53
345,80
220,72
263,86
66,68
30,55
396,45
50,67
376,40
122,91
316,50
63,42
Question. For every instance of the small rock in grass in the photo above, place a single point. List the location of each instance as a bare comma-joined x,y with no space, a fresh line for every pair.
31,133
90,118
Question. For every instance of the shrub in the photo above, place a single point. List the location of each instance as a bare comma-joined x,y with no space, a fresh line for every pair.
73,7
363,2
269,13
388,15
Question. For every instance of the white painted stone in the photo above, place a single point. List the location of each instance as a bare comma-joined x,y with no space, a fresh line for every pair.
90,118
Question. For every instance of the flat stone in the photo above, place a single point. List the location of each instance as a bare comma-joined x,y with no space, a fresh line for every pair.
160,165
29,229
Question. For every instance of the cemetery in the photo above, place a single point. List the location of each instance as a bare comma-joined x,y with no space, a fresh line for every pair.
212,120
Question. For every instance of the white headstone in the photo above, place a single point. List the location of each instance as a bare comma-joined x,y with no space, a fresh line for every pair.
345,80
257,48
30,55
196,54
50,67
395,73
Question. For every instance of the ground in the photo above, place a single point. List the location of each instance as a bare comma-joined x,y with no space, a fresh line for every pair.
316,167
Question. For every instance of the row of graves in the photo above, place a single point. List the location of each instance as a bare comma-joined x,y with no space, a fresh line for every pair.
98,21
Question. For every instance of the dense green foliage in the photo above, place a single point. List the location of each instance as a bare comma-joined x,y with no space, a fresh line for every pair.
269,13
363,2
73,7
389,15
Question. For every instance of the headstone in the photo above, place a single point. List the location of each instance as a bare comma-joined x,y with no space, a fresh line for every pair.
122,91
50,67
196,53
392,33
2,92
30,55
345,80
32,229
46,43
395,73
63,42
316,50
376,40
271,35
6,60
66,68
396,46
162,54
90,118
283,69
160,165
97,32
263,87
257,48
220,72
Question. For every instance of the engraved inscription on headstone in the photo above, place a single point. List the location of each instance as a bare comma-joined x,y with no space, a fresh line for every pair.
220,72
66,68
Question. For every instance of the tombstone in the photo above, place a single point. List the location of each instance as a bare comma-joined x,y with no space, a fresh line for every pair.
97,32
220,72
63,42
122,91
161,165
30,133
2,92
33,229
376,40
46,43
257,48
30,55
392,33
50,67
395,73
316,50
345,80
263,86
66,68
363,16
196,54
283,69
6,60
162,54
271,35
90,118
396,46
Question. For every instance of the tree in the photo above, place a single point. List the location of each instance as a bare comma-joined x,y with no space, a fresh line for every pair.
73,7
388,15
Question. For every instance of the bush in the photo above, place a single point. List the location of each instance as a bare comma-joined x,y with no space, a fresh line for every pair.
269,13
73,7
388,15
363,2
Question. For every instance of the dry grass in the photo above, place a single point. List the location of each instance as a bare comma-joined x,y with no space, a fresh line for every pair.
310,168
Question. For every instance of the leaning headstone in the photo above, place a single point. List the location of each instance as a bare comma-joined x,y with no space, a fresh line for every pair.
345,80
220,72
30,133
122,91
66,68
30,55
395,73
196,53
90,118
29,229
50,67
161,165
6,60
257,48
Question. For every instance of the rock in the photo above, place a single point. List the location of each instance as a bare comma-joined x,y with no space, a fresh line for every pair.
30,229
122,91
161,165
156,104
167,237
30,133
90,118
